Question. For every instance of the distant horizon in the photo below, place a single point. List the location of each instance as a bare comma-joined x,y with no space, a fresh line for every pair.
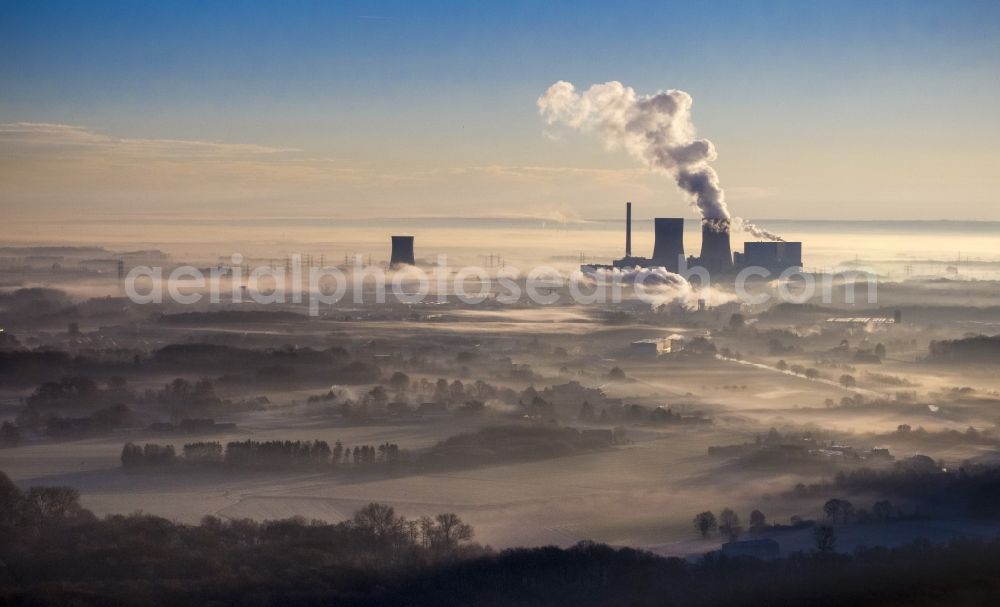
689,220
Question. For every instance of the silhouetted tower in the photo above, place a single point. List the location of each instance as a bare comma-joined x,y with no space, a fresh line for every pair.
628,229
716,254
402,251
668,249
121,269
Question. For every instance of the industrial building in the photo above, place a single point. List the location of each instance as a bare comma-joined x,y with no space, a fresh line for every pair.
402,252
653,347
646,348
775,256
862,320
716,252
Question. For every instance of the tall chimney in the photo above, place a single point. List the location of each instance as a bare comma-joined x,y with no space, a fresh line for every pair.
402,251
716,254
668,248
628,229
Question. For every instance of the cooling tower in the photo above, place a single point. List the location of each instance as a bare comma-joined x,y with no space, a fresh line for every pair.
716,254
402,251
668,248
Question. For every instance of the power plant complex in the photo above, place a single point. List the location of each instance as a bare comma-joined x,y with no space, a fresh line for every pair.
716,252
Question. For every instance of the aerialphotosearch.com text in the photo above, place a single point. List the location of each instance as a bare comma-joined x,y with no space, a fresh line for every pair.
324,287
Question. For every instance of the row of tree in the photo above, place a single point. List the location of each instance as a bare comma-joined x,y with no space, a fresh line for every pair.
836,510
727,524
251,454
839,510
636,414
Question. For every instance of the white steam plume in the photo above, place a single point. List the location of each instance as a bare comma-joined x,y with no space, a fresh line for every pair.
756,230
660,286
655,129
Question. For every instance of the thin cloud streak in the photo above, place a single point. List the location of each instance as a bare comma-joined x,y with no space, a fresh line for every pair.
71,167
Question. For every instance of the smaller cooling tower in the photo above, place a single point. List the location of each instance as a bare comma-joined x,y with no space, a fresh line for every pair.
402,251
668,249
716,254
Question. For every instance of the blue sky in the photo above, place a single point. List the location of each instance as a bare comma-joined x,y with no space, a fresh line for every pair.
841,110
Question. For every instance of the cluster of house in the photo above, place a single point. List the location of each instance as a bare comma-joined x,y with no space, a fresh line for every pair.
791,449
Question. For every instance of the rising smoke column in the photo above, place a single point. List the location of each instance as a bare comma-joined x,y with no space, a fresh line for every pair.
656,130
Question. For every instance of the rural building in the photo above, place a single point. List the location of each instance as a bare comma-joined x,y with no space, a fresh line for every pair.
653,347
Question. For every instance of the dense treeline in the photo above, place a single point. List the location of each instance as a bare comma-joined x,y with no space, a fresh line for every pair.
401,396
78,393
978,349
78,406
53,552
498,444
53,425
972,489
25,367
73,407
260,455
288,365
230,317
963,573
270,365
637,414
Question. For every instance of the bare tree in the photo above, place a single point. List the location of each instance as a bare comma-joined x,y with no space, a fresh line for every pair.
838,510
729,524
883,510
705,523
57,502
379,520
449,531
399,381
825,539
